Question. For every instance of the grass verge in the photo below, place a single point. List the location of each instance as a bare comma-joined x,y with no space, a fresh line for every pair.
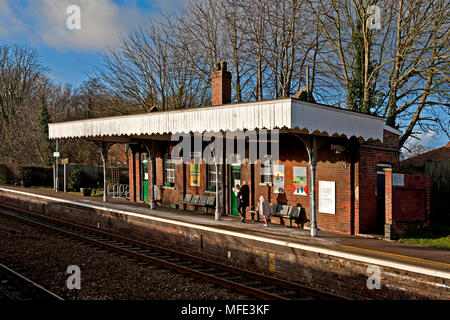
435,236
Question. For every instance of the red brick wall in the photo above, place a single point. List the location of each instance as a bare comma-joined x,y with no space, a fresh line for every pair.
366,191
408,206
390,140
330,167
175,194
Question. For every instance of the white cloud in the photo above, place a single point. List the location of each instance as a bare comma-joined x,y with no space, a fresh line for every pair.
427,139
10,24
43,22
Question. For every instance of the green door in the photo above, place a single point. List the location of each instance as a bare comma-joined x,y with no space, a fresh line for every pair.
145,180
235,179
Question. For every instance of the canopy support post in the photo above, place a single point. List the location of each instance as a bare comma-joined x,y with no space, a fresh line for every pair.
104,148
312,147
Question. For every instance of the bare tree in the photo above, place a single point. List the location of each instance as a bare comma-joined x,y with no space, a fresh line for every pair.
150,70
399,71
20,74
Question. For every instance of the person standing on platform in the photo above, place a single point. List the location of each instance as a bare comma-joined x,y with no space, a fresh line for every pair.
245,200
265,209
237,193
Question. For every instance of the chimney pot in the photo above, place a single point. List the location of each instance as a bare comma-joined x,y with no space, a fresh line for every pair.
221,85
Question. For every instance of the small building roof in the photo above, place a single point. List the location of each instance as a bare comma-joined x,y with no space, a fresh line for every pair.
439,154
288,113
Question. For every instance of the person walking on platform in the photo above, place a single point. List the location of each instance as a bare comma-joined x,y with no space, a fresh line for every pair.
237,193
245,199
265,209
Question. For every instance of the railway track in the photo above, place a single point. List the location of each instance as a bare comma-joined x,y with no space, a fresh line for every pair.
251,283
8,230
16,286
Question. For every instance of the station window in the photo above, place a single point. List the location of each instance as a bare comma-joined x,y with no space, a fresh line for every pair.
266,171
212,176
169,171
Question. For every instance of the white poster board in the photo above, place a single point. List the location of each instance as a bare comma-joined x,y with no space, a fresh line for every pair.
327,197
398,179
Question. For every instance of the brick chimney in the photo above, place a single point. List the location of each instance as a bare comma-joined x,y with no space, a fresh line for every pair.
221,85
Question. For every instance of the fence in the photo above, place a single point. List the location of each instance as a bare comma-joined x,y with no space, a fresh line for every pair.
44,176
440,189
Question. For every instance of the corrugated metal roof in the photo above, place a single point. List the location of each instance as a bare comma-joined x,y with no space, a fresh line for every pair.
284,113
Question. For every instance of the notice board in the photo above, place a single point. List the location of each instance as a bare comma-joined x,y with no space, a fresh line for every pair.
327,197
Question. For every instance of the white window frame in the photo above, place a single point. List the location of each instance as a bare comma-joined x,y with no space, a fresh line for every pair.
266,177
167,178
211,170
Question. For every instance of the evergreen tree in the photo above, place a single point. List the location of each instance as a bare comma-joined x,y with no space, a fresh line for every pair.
355,87
45,147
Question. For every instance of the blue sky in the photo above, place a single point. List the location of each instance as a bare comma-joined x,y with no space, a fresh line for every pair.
69,55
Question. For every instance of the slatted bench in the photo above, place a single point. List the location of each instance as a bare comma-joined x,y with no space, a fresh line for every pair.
199,201
286,212
282,211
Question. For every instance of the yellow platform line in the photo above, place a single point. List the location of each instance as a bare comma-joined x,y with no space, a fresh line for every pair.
393,254
347,246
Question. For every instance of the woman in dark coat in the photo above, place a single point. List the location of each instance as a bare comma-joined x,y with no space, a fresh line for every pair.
239,203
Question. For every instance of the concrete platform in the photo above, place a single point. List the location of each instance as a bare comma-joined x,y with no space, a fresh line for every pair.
336,263
433,261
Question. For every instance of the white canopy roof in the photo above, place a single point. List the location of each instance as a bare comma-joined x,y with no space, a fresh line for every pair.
283,113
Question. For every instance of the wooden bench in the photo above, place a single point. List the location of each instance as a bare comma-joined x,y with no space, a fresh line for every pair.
199,201
283,211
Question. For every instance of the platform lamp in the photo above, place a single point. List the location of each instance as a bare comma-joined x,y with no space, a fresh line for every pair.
56,155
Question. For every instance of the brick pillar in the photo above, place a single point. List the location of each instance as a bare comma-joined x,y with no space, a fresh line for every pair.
221,85
388,224
137,185
132,174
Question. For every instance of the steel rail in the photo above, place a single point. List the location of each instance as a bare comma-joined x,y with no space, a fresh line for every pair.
9,230
39,291
271,283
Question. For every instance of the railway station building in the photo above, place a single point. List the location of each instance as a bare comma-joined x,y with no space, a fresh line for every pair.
338,167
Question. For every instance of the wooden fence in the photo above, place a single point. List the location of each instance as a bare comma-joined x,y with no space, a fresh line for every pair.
440,189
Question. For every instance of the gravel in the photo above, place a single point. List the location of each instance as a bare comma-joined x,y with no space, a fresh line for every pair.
104,276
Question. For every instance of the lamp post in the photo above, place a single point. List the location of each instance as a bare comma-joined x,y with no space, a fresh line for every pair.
56,155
